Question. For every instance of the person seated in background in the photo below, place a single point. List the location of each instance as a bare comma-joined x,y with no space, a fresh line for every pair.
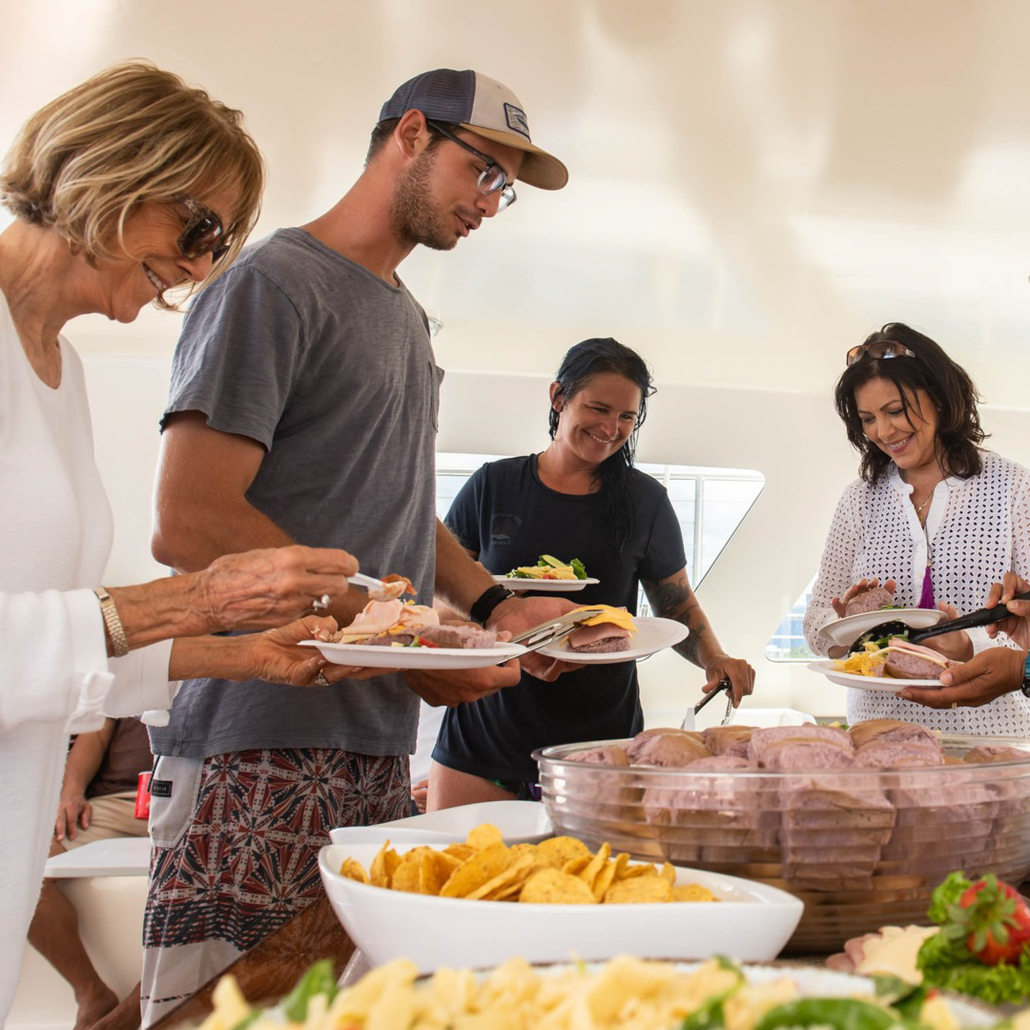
98,802
928,498
580,498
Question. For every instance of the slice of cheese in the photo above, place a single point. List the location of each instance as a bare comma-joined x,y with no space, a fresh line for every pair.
894,952
616,616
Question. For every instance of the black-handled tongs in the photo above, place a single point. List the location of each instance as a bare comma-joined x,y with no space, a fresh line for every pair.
981,617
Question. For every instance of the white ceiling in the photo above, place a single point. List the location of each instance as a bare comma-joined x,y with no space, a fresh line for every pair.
754,185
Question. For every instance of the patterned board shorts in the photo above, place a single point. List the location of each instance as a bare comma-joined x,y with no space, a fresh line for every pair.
242,859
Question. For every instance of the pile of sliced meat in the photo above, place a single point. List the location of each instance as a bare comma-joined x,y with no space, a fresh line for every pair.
857,803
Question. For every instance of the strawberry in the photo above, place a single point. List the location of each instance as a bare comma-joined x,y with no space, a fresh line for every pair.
993,920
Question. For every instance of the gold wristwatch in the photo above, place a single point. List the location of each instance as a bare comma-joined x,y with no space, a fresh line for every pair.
115,630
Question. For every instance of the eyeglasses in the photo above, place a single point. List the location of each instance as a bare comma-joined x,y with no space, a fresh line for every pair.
203,233
880,349
492,178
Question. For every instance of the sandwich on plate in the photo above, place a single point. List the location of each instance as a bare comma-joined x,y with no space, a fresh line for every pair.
605,633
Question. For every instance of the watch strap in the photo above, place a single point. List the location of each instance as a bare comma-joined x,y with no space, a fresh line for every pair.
1026,676
487,601
115,629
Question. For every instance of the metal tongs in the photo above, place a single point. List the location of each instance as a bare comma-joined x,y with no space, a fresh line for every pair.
553,630
724,684
981,617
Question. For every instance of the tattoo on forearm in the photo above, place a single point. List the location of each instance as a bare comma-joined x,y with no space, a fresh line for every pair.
669,599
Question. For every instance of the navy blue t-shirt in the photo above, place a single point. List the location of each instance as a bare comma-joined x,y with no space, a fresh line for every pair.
507,517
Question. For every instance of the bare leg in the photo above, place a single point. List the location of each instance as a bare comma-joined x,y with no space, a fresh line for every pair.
54,933
449,788
125,1016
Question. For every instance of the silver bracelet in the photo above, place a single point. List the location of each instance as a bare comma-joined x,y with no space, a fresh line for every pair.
115,630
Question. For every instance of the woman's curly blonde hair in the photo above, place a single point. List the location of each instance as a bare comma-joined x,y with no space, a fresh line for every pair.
130,135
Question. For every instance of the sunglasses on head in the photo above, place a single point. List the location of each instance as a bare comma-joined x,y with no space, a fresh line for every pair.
880,349
203,232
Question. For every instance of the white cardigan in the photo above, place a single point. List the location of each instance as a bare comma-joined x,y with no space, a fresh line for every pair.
55,538
978,529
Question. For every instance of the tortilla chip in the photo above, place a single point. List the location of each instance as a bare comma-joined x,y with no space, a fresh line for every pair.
556,851
553,887
476,870
639,890
353,870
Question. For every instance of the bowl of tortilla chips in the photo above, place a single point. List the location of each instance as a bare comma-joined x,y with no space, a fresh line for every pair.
480,902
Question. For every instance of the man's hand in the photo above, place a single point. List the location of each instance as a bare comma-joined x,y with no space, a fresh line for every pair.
1017,628
987,675
517,614
739,672
453,687
73,811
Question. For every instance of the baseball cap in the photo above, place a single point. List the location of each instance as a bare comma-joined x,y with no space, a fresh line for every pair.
485,107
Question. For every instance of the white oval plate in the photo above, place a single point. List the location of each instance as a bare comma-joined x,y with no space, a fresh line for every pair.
844,632
520,822
884,684
554,586
753,920
371,657
652,635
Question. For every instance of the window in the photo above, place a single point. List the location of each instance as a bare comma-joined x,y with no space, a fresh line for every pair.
709,502
788,643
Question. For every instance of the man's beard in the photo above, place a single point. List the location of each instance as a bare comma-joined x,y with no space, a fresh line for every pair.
412,217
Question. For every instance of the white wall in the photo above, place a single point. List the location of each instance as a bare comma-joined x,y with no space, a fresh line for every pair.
793,439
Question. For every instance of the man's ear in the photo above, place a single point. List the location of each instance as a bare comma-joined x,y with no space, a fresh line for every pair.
411,134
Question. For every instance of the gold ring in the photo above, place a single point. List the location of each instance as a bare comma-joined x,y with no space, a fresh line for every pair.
320,604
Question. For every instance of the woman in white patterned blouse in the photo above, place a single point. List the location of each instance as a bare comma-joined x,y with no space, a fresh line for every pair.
934,518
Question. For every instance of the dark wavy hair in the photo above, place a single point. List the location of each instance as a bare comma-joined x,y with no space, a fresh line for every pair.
947,384
580,364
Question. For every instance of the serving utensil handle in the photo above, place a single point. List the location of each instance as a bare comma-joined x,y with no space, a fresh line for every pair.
981,617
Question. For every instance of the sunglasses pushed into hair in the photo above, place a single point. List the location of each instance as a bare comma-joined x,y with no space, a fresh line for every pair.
202,233
879,349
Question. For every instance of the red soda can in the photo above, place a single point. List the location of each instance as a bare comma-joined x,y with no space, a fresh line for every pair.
142,810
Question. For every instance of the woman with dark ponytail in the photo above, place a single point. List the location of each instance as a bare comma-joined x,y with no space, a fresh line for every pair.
579,498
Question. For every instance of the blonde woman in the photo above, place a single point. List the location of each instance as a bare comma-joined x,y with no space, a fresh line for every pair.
123,189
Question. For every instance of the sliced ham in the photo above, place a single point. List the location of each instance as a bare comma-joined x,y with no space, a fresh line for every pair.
601,638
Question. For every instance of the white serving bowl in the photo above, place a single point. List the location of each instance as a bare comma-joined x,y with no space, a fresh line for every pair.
520,822
752,922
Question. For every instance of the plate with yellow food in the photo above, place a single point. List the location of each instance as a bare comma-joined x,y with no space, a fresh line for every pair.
479,902
548,574
624,993
616,636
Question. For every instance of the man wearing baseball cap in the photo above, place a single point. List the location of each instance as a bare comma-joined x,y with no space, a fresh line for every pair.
303,408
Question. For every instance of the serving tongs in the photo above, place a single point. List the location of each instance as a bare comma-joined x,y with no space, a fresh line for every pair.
553,630
981,617
724,684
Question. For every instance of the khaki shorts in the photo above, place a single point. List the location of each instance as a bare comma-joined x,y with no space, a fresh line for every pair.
112,817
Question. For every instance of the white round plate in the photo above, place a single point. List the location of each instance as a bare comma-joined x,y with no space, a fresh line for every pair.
652,635
886,684
372,657
553,586
844,632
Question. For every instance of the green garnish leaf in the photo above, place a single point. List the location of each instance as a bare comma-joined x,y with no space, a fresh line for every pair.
578,568
319,979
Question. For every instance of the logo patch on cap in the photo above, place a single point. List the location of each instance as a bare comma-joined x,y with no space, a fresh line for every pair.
516,119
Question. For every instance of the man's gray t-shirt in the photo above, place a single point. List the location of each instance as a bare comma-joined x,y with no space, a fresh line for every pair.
331,369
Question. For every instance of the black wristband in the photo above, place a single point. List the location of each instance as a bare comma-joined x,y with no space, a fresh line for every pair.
487,601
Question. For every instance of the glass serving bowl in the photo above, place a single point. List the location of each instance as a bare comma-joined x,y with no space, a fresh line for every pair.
862,848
